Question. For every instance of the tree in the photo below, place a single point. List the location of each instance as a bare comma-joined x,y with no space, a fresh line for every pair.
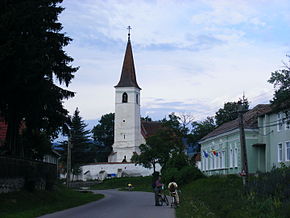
82,149
281,81
147,119
229,112
160,146
157,149
103,135
32,59
201,129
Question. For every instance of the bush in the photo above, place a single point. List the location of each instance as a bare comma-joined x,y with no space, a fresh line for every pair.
274,184
179,169
183,176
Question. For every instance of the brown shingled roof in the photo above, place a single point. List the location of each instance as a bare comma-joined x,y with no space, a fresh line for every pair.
250,121
149,128
128,76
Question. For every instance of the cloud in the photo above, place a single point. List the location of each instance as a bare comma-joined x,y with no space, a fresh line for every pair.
189,55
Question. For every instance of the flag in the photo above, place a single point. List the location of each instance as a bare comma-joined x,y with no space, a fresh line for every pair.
205,153
214,152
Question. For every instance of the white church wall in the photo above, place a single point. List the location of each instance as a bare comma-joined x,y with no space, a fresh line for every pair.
102,170
127,131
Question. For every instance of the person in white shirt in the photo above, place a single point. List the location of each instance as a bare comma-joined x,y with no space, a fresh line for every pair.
172,187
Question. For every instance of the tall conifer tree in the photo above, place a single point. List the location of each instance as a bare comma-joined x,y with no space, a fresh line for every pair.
32,59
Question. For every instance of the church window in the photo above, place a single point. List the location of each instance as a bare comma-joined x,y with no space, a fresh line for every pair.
123,121
124,136
124,97
137,99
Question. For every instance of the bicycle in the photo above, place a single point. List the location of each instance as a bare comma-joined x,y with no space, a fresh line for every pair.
173,200
162,198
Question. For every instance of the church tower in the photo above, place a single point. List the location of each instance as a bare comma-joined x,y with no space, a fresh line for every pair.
127,129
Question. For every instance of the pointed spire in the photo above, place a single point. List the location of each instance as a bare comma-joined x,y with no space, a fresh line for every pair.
128,76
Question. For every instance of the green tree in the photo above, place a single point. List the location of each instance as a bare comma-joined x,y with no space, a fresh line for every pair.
32,59
157,149
201,129
103,135
82,149
80,141
281,81
229,112
160,146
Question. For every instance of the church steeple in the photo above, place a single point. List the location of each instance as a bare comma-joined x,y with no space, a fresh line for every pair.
128,76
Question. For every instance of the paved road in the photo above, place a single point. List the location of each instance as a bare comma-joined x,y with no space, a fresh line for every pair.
118,204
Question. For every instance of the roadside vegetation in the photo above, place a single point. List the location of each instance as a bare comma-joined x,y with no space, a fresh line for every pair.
24,204
268,195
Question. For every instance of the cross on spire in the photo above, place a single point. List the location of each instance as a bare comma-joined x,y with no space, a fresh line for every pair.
129,28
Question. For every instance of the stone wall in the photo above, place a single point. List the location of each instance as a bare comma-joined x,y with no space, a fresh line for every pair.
101,171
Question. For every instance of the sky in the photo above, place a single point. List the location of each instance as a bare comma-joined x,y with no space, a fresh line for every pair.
190,56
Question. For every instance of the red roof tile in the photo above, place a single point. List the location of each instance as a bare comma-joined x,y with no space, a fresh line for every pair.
149,128
128,76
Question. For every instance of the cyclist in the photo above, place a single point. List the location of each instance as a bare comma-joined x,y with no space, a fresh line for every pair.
172,187
157,186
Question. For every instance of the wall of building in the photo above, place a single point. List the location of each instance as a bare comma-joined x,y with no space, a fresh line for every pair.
102,170
274,130
228,160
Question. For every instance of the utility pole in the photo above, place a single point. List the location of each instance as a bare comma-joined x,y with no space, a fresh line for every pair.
244,158
68,161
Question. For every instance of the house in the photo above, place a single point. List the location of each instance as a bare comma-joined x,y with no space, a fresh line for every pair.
267,136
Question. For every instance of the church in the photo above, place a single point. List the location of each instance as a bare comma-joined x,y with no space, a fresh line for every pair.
129,131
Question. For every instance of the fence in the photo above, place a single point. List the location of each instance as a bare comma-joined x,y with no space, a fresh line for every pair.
16,173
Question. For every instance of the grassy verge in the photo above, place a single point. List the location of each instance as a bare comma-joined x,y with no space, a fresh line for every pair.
31,204
139,183
224,197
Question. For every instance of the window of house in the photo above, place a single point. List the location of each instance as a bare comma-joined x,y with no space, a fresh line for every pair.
124,97
217,162
279,122
287,151
231,157
236,157
280,150
221,159
287,121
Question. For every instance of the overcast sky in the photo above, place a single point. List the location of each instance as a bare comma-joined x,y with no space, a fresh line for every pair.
190,56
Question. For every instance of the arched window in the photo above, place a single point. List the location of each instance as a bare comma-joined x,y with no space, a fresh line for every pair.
137,99
124,97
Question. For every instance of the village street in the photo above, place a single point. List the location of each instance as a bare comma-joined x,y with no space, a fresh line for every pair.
118,204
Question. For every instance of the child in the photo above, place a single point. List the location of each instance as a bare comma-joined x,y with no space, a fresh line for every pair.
172,187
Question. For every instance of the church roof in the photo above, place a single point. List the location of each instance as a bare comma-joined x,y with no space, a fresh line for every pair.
250,121
149,128
128,76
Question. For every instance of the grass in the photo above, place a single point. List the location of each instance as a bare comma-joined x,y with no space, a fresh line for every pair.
139,183
224,197
25,204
